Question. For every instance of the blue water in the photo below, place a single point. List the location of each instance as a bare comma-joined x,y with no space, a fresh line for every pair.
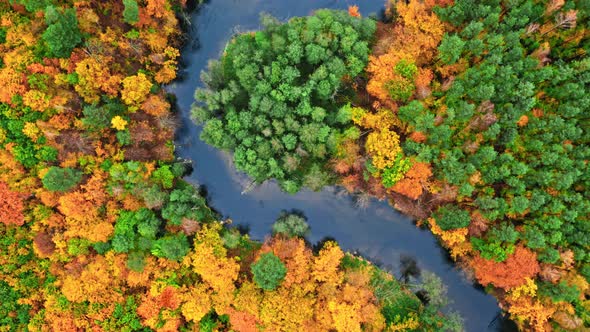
378,232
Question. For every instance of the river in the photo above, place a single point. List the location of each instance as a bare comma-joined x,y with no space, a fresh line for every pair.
377,232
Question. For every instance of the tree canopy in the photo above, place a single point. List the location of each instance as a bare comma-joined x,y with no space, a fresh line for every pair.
272,99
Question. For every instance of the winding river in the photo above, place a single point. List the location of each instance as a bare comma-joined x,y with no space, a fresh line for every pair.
377,232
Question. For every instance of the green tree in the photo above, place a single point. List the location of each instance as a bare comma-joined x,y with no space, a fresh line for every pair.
268,271
173,247
61,179
451,217
291,225
63,35
131,11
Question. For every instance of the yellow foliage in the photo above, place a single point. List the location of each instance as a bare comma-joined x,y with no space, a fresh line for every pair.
529,288
31,131
452,237
326,264
346,316
94,76
286,309
97,283
209,260
248,298
118,123
383,146
36,100
135,90
410,323
527,309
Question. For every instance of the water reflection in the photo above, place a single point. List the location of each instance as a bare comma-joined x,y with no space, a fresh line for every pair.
378,232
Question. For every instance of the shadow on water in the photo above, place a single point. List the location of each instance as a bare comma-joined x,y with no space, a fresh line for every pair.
377,233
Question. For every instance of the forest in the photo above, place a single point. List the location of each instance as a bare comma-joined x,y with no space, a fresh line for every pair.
98,230
472,117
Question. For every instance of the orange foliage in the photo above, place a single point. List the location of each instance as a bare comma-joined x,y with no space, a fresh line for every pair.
11,206
511,273
415,37
155,105
12,84
417,136
99,282
83,219
414,181
354,11
242,321
156,8
295,255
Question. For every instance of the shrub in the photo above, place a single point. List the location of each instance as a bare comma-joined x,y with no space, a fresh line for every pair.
61,179
291,225
451,217
268,271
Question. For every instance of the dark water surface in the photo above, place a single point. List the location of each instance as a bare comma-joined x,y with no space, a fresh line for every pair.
378,232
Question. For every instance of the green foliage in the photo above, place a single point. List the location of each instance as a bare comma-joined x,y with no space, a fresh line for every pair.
268,271
61,179
173,247
528,119
561,292
13,316
131,11
397,304
450,49
400,89
451,217
231,238
407,69
186,202
78,246
391,175
98,117
63,34
291,225
163,176
124,318
437,300
33,6
274,96
136,231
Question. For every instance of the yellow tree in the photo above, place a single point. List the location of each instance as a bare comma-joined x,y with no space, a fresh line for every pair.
135,90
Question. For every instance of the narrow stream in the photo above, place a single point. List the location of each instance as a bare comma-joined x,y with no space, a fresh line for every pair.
377,232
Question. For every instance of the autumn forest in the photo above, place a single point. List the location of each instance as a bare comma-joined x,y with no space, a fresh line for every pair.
471,117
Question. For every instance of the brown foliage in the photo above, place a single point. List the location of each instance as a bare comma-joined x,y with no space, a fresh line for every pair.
511,273
44,245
